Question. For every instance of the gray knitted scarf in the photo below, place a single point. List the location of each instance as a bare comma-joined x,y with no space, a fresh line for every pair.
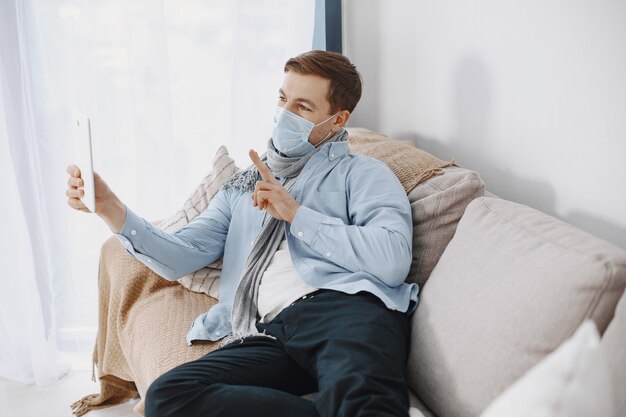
287,169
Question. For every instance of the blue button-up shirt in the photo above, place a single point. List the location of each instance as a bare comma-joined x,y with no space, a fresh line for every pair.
352,232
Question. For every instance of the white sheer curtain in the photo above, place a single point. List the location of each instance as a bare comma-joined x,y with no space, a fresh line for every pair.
165,83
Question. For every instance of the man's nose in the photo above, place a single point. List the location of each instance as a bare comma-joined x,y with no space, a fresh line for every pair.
292,107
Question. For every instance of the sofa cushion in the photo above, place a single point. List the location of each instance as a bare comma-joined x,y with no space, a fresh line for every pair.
510,287
613,345
204,280
572,381
437,205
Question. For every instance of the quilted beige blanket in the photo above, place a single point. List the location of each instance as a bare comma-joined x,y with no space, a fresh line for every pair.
143,318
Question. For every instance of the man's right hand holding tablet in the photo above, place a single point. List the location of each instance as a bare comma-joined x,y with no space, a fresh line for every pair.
108,205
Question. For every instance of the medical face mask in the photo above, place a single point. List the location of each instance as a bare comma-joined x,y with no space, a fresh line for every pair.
291,132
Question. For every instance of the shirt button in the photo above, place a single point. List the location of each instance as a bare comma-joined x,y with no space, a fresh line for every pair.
133,232
300,234
332,155
328,254
217,333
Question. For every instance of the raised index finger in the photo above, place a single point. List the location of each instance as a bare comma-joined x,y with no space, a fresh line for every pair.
264,170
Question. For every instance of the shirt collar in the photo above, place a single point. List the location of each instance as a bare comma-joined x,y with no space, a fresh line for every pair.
336,149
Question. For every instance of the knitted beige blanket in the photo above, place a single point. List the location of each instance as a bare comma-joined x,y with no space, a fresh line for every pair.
143,318
410,164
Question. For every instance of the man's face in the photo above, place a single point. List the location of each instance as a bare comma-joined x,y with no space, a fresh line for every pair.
306,96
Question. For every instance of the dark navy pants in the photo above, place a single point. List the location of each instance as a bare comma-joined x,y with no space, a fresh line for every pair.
349,348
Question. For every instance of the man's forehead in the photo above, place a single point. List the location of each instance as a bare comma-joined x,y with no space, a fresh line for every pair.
308,87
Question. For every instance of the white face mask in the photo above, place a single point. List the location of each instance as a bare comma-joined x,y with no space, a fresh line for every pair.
291,132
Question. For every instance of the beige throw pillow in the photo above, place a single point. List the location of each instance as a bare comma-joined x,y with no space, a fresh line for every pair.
437,205
438,192
572,381
205,280
510,287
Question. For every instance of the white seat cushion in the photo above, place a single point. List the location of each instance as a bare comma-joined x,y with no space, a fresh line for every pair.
572,381
613,346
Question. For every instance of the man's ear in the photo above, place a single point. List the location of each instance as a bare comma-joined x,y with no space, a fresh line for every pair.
342,119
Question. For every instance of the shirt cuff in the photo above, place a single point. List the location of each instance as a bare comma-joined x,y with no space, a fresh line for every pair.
132,236
306,224
133,230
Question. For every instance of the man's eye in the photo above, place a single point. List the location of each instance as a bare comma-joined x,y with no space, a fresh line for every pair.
281,98
304,108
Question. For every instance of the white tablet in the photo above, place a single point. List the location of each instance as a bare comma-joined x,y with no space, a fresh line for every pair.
83,157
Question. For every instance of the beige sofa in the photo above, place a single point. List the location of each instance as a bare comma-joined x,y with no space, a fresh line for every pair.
502,287
510,287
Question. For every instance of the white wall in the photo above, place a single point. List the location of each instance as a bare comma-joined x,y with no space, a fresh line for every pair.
531,94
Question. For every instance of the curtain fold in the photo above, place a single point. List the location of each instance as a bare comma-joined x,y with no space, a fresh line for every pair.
165,83
29,262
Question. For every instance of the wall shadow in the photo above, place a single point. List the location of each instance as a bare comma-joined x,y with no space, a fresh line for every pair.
598,227
472,139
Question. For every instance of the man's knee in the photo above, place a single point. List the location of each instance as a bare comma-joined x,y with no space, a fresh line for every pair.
167,394
156,395
359,393
177,393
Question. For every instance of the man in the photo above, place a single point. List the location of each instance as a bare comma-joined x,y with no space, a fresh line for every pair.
316,245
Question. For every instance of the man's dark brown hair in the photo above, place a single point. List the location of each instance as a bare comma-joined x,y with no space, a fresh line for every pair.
345,80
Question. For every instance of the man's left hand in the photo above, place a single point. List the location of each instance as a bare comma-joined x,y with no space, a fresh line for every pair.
270,194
